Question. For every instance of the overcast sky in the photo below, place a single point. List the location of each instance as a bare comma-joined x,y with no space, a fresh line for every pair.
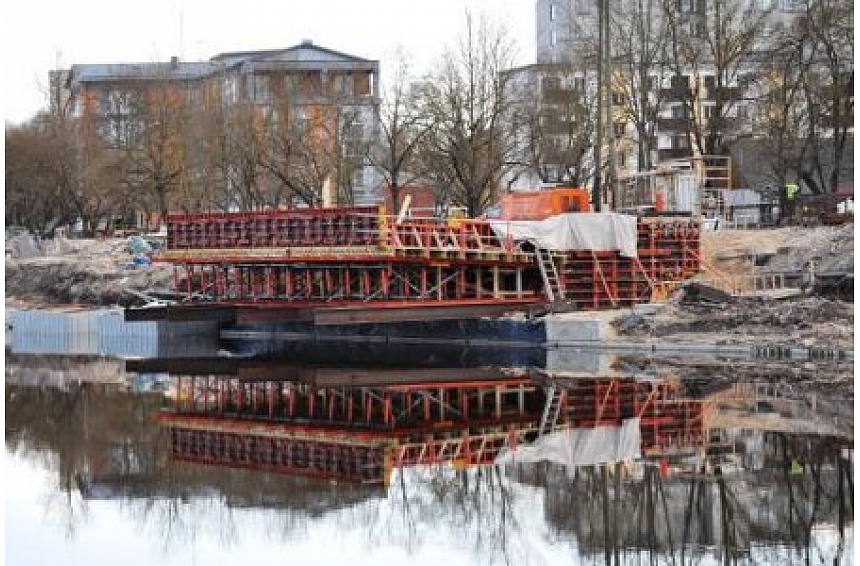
45,34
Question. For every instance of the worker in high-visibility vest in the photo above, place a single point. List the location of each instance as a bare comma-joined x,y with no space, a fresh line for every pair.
791,192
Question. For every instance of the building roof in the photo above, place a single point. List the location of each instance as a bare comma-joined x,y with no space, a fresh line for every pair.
172,70
304,52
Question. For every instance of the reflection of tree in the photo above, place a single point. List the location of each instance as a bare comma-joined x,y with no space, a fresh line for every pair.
736,516
474,507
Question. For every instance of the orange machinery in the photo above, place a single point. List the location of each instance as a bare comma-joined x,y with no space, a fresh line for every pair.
537,205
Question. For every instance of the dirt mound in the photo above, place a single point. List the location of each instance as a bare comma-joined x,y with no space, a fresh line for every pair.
808,321
90,272
789,248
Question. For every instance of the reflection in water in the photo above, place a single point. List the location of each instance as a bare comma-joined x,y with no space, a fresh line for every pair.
403,458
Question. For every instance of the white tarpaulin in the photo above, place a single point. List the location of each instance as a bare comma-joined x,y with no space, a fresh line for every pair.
598,231
580,446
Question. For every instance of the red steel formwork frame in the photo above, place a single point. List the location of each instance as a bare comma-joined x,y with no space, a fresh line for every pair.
336,280
668,253
402,409
308,257
353,459
296,456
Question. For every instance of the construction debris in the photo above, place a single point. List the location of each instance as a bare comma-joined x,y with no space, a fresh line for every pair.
90,272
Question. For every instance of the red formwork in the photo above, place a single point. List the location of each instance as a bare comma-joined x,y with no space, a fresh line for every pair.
668,251
353,459
406,409
352,226
323,228
332,280
358,255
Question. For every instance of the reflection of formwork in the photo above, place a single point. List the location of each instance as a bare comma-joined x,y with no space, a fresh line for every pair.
668,422
359,433
348,433
355,256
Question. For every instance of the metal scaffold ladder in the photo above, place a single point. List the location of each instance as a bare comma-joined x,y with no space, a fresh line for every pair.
552,410
549,272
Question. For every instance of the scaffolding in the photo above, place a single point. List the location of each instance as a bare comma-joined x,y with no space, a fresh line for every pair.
697,186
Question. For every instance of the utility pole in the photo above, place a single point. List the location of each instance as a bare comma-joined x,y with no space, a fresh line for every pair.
612,170
596,191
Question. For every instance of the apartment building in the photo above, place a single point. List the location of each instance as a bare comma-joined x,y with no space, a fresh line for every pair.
329,99
566,33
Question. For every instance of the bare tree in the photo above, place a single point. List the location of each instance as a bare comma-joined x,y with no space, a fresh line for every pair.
154,148
401,129
31,193
639,39
556,135
828,30
779,115
468,103
721,42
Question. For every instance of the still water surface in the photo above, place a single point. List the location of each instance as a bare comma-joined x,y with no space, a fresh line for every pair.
96,473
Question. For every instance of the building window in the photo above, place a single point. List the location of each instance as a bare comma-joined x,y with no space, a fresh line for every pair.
679,111
618,129
794,5
579,84
362,84
551,83
681,142
261,88
553,37
311,83
552,13
680,82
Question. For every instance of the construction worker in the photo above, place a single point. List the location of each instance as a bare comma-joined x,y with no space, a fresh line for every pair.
791,192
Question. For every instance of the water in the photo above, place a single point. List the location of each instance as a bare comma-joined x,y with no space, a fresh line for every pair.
104,465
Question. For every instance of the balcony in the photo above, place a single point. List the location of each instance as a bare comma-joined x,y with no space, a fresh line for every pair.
676,93
561,95
666,125
673,153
